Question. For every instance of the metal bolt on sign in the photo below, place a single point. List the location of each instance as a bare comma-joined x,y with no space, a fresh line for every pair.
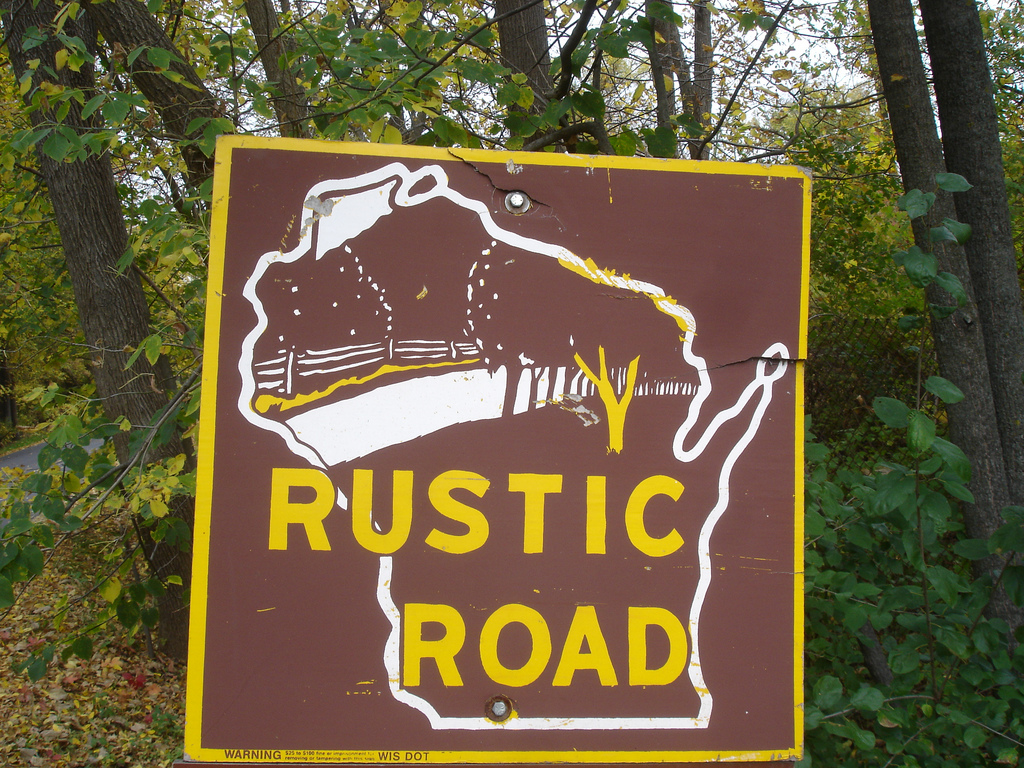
517,202
498,708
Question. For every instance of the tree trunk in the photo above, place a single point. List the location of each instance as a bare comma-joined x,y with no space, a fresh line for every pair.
702,80
127,23
970,136
959,343
290,105
523,34
111,305
667,63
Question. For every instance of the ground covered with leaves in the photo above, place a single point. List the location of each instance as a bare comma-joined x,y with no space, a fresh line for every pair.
122,707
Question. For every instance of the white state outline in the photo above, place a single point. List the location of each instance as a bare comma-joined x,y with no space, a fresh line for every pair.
363,211
764,381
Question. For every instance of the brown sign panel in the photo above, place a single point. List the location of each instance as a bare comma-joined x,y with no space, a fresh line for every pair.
500,459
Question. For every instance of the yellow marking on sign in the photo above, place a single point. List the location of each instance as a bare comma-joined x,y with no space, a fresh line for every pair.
265,402
615,408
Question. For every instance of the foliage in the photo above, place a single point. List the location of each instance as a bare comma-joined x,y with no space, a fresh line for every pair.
887,573
907,664
117,707
887,563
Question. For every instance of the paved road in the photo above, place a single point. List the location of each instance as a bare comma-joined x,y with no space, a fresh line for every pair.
28,458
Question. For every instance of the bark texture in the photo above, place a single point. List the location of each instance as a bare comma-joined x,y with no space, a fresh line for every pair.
959,341
111,305
128,24
290,103
970,139
702,75
523,34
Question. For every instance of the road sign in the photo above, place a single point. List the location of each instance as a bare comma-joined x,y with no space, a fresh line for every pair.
500,459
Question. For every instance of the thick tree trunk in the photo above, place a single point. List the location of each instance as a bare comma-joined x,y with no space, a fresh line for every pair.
970,137
128,24
667,63
111,305
523,34
702,75
958,338
290,105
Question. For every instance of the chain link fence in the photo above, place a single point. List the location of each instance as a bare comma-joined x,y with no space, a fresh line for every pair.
853,360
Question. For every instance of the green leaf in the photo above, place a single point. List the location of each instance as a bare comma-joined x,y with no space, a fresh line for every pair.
1013,514
116,110
92,105
955,458
152,347
56,146
1007,538
972,549
82,647
661,142
916,203
159,57
508,94
32,559
591,104
828,692
6,593
946,583
812,716
1013,583
974,737
867,697
893,413
961,232
941,235
920,432
952,182
614,45
920,267
957,489
149,615
944,389
904,660
127,613
36,668
624,144
910,323
952,285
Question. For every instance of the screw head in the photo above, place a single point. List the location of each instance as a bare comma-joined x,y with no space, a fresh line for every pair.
517,202
498,708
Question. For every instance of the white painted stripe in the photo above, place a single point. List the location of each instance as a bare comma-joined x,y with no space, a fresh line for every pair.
523,388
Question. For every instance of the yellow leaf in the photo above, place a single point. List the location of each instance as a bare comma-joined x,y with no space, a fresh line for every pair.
392,135
60,59
110,589
176,464
157,507
377,129
782,74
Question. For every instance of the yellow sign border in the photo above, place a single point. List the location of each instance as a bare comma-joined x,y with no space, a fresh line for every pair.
226,145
